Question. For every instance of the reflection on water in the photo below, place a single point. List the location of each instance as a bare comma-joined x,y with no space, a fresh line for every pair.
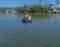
28,25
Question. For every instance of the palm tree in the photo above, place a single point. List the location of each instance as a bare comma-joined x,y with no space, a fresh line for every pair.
40,4
57,1
40,1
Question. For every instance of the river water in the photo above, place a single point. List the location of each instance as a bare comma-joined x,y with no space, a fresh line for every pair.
44,31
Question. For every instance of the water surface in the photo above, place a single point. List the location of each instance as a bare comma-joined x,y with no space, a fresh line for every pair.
44,31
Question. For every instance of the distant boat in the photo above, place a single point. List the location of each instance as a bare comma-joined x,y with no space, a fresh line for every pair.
27,19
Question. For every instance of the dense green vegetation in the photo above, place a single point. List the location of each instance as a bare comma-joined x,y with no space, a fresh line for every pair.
34,8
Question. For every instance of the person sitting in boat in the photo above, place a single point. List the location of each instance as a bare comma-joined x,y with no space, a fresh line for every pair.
26,17
29,17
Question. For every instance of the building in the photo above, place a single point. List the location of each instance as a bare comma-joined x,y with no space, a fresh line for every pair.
54,9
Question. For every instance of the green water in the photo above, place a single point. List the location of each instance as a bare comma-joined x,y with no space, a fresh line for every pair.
44,31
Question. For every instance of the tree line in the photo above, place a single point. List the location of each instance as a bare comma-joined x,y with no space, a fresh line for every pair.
34,8
3,9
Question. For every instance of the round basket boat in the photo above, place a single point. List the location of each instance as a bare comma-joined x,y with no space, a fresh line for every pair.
27,21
